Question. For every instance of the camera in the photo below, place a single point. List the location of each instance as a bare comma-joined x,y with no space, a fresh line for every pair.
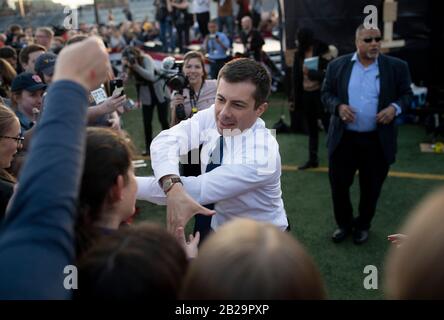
129,55
176,80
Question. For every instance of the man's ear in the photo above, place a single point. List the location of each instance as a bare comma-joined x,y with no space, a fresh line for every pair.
261,109
116,192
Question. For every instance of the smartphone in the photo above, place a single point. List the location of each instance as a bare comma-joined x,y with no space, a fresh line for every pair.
129,104
116,87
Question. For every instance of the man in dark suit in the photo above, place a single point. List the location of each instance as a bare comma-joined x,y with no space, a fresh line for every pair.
363,92
251,39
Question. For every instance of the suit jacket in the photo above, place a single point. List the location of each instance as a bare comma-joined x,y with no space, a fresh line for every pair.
256,42
6,190
395,83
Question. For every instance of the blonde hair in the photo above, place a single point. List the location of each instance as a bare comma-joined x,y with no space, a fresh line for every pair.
48,31
7,118
416,269
247,259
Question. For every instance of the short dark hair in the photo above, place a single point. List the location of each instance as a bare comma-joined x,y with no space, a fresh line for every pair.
13,28
248,70
8,52
362,27
75,39
25,52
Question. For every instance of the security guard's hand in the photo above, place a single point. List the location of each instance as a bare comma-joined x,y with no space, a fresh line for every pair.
346,113
385,116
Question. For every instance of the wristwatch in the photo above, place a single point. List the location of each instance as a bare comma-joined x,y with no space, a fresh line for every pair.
169,182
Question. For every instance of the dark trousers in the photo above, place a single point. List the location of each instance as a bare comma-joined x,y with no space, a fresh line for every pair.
183,37
162,113
203,225
215,66
311,105
203,19
363,152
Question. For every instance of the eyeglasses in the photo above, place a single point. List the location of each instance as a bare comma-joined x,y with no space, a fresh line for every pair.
19,140
369,40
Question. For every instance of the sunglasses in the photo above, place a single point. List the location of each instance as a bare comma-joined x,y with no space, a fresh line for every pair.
369,40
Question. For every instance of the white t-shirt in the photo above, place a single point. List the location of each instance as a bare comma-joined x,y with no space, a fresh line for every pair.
200,6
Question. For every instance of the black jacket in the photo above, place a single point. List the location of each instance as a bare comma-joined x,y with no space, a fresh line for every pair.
6,190
395,88
255,40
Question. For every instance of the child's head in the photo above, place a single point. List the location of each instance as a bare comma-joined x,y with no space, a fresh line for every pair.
138,262
108,181
246,259
27,92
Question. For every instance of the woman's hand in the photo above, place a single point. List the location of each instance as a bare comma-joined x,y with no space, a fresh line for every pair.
177,99
113,103
397,239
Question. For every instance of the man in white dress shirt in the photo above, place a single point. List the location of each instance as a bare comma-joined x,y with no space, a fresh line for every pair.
246,182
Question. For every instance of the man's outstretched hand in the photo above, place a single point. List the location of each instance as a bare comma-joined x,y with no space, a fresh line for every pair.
181,208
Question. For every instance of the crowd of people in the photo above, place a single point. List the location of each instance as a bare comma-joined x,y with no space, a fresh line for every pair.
68,186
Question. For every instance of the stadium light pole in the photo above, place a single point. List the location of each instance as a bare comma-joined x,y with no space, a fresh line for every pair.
96,12
22,8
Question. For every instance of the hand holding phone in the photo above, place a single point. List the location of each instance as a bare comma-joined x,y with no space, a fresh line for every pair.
116,87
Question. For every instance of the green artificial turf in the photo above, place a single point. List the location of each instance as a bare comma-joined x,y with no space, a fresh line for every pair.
308,203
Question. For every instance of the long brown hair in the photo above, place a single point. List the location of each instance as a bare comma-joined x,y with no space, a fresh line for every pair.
7,118
139,56
108,155
138,262
7,74
199,56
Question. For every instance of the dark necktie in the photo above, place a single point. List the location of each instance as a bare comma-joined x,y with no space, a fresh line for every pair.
203,223
216,156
